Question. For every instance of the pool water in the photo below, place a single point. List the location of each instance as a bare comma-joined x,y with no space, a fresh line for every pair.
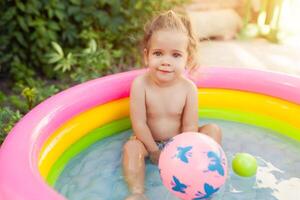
96,174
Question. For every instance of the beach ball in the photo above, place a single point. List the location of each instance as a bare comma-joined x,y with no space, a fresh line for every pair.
192,166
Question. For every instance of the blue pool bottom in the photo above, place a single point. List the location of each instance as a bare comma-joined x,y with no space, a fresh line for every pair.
96,174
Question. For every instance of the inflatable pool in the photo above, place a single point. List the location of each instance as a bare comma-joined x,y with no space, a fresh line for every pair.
49,136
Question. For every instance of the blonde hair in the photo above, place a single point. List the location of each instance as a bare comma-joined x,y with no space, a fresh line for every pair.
170,20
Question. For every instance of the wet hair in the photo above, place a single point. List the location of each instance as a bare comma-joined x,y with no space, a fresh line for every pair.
170,20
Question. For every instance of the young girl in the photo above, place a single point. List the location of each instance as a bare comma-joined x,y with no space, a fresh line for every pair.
163,102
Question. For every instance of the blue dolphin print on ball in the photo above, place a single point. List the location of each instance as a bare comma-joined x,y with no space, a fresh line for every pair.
178,186
183,153
209,190
215,163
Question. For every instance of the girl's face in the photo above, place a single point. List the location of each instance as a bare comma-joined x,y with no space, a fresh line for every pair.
166,56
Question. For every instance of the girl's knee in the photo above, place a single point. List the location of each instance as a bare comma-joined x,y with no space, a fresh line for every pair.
213,131
134,154
215,128
134,148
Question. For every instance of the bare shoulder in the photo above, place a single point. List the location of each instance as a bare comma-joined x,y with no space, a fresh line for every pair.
139,82
190,86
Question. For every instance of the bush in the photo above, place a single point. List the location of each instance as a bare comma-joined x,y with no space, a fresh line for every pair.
28,28
24,98
7,120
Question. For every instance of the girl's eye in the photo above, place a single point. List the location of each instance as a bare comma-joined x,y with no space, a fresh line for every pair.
176,55
157,53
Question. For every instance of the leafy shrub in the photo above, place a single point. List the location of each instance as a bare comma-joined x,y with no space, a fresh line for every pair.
84,64
7,120
24,98
27,29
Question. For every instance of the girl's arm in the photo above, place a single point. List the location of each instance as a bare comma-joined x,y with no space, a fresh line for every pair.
138,115
190,113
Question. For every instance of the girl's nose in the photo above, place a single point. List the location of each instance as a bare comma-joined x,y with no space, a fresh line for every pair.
165,61
165,64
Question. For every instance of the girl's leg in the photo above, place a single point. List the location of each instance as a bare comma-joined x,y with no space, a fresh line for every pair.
134,154
213,131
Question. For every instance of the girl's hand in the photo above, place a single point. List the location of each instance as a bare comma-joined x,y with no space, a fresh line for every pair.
154,156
